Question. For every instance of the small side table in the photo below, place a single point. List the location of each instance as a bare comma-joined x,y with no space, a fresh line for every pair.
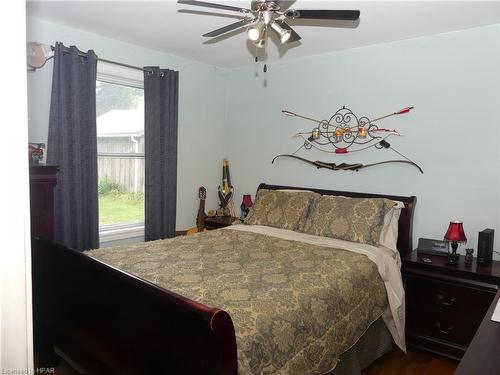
445,304
219,222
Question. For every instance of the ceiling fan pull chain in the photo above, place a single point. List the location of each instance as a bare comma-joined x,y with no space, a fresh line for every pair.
265,68
256,63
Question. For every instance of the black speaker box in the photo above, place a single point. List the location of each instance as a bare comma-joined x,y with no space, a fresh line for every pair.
485,247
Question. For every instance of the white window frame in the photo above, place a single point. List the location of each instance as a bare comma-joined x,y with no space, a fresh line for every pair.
119,75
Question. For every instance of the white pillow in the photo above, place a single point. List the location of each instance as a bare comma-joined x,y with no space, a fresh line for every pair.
389,233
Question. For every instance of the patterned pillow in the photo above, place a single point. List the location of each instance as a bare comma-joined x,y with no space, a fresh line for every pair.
350,219
281,209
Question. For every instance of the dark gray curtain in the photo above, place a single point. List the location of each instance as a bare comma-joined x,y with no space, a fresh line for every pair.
72,145
161,87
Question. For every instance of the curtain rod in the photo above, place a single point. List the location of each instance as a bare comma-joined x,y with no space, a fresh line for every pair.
110,62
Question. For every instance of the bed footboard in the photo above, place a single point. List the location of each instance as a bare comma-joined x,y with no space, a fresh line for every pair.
110,322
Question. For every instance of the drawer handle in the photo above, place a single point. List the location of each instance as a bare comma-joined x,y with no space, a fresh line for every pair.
451,301
443,331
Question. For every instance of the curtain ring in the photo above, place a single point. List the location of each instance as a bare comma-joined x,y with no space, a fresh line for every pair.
162,74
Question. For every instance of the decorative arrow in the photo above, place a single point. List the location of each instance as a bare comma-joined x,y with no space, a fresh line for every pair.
343,136
344,166
339,136
400,112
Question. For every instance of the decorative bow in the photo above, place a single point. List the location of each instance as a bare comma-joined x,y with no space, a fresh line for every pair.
344,166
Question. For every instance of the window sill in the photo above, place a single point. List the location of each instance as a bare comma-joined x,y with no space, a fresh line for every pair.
118,232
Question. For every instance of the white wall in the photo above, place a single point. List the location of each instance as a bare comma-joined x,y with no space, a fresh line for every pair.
452,80
16,338
201,107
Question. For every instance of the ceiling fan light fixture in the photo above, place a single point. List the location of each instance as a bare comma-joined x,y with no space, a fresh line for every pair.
256,32
261,43
283,34
253,33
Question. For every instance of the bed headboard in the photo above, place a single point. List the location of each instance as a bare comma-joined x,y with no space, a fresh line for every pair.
405,229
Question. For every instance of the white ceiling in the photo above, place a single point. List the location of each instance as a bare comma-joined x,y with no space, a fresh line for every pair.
165,26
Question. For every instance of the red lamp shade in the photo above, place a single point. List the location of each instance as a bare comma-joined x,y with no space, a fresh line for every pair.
247,200
455,232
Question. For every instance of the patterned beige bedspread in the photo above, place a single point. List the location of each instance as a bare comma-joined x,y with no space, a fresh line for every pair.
295,306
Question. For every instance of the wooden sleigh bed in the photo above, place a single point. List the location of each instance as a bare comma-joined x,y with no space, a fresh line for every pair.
153,330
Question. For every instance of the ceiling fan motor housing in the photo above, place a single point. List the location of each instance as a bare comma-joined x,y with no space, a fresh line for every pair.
262,5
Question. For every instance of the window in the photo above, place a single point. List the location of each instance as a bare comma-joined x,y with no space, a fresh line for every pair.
120,152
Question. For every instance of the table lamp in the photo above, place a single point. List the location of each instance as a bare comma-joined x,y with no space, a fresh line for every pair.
455,235
245,206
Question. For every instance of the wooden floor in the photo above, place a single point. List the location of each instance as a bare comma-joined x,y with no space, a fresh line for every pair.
393,363
414,363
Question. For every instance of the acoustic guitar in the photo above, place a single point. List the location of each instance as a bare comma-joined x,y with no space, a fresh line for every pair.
200,219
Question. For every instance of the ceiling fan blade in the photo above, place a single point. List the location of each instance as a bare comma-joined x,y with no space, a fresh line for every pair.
228,28
293,36
347,15
212,5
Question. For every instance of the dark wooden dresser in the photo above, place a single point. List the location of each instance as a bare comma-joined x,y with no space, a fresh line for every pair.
482,356
43,179
446,304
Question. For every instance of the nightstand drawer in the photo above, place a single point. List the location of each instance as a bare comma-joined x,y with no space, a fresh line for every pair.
447,296
453,328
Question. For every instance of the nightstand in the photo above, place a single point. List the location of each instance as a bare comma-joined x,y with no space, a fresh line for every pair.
446,304
219,222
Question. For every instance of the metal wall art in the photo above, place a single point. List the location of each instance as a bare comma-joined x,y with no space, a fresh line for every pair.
345,133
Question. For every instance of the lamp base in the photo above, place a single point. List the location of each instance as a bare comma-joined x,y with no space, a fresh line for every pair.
453,258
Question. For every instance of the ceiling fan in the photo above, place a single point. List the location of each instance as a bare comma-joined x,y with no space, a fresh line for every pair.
268,14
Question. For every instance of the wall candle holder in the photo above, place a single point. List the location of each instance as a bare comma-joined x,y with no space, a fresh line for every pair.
345,133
